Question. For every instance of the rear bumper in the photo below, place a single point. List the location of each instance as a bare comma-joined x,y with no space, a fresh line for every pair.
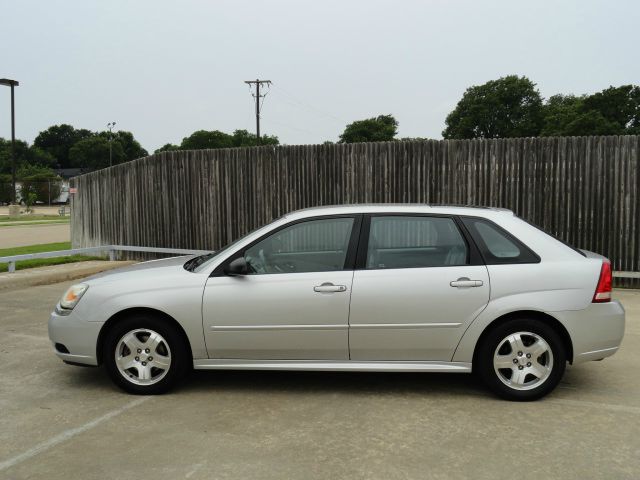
596,332
78,336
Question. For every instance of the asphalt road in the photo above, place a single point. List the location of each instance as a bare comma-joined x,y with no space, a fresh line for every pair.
63,422
23,235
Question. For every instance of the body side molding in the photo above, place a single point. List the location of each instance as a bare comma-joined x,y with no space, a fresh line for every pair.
328,365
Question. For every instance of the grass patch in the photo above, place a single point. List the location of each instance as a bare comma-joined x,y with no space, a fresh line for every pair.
43,247
36,222
42,262
33,218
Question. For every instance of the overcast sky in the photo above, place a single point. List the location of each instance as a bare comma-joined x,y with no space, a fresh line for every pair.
163,69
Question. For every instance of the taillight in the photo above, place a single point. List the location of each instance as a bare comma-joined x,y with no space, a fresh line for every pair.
603,290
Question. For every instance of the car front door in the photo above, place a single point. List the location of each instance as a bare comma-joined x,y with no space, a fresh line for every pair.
417,286
294,302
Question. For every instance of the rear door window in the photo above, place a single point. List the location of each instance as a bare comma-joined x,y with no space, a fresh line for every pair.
415,242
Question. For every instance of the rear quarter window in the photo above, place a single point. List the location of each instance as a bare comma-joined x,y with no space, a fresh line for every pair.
496,245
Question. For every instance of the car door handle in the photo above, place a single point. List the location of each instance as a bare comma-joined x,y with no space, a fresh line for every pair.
464,282
329,287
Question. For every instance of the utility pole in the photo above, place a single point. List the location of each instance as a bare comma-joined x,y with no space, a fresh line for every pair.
110,126
258,83
12,83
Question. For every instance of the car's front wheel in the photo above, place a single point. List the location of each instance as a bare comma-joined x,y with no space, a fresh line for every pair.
521,359
145,355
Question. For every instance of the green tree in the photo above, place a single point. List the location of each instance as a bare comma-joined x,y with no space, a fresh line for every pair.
613,111
618,105
558,112
39,157
130,146
58,140
167,147
203,139
382,128
22,149
243,138
5,188
93,153
591,123
508,107
25,155
39,183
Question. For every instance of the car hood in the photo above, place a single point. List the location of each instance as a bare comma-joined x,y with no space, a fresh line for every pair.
150,269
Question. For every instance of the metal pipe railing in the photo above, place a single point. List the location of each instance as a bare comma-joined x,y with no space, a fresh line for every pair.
111,249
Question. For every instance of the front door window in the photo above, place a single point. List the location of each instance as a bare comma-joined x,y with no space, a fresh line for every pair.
313,246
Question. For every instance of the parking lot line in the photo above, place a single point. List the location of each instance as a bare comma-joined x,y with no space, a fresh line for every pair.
67,434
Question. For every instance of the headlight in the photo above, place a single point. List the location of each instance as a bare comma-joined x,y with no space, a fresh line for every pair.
72,296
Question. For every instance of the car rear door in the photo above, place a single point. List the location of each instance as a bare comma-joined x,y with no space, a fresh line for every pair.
419,282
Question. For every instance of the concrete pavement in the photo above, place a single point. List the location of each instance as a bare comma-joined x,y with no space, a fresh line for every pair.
62,422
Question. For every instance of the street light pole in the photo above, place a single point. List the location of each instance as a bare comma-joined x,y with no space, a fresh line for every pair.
12,84
110,126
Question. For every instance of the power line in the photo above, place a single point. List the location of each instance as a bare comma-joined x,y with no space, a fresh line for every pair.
297,103
292,127
257,96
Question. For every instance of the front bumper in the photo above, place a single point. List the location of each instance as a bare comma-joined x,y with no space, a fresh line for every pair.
596,332
79,336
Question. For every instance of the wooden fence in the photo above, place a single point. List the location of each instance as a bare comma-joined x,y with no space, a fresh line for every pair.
584,190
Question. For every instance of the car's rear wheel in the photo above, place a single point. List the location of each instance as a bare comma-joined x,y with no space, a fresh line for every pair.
145,355
521,359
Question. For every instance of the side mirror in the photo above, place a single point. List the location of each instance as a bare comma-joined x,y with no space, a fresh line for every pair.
237,267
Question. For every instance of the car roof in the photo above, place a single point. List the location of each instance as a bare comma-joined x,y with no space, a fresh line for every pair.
470,210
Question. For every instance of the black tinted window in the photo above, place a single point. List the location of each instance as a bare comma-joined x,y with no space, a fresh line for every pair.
497,245
412,242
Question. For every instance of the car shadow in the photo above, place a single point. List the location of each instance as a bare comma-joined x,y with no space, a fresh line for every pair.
352,383
292,382
302,383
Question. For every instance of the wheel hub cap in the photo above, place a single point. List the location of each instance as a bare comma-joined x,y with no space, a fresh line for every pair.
143,356
523,360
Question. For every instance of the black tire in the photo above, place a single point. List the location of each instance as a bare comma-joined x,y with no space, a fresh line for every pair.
177,349
484,361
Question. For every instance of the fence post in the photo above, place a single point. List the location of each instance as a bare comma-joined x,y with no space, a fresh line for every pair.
12,267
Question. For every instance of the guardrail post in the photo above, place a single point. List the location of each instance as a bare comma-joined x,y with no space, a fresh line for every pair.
112,255
12,267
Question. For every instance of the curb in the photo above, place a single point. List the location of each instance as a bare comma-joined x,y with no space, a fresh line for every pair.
32,277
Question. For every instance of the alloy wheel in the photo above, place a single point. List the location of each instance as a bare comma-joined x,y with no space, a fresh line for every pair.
143,356
523,360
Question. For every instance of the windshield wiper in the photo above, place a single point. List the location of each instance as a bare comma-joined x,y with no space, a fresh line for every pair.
195,262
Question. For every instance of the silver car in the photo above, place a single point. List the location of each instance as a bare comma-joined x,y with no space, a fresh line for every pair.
360,288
